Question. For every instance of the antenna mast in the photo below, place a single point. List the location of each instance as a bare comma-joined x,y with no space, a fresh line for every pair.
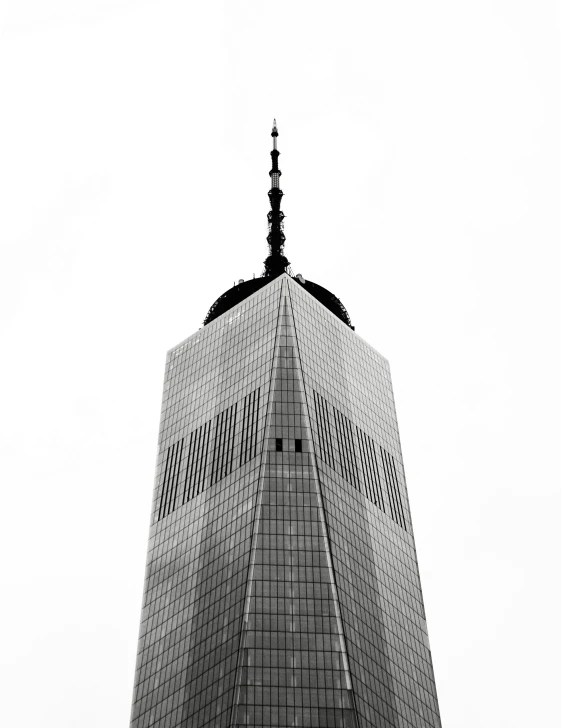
276,262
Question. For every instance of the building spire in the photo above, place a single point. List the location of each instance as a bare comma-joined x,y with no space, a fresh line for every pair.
276,263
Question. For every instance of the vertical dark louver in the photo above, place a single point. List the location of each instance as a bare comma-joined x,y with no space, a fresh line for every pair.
331,444
200,465
198,449
367,475
321,430
256,427
170,483
389,489
250,426
188,468
224,440
171,473
250,421
165,482
396,505
176,478
398,491
206,457
377,478
218,445
197,452
339,446
172,477
214,449
349,435
346,446
233,439
244,427
252,436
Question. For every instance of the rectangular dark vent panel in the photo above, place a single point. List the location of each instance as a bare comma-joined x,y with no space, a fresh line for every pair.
209,453
354,455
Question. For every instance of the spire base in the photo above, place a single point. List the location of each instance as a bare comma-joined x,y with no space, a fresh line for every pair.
275,265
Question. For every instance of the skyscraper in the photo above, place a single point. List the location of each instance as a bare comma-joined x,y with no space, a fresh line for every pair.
282,586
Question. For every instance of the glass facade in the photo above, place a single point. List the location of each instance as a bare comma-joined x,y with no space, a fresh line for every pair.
282,586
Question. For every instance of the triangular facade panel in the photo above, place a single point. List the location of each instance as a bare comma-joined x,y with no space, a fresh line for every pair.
293,668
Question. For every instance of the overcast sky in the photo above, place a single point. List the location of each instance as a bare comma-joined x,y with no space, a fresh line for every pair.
421,157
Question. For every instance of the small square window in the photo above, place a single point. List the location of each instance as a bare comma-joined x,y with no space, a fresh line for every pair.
298,445
279,444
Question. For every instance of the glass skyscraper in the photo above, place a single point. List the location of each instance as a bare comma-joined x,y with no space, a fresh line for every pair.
282,586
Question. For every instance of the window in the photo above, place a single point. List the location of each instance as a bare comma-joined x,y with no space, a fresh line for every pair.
298,445
279,444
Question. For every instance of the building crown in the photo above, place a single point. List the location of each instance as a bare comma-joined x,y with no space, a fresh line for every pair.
276,262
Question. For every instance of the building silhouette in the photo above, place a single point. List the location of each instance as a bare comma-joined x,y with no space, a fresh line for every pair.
282,586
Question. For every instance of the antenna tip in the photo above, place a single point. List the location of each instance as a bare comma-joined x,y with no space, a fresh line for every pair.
275,131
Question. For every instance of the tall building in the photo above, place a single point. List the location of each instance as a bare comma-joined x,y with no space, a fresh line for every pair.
282,586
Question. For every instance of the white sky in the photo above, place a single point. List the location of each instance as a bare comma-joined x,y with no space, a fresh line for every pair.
421,157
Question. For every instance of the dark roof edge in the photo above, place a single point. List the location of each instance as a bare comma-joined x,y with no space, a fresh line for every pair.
242,290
